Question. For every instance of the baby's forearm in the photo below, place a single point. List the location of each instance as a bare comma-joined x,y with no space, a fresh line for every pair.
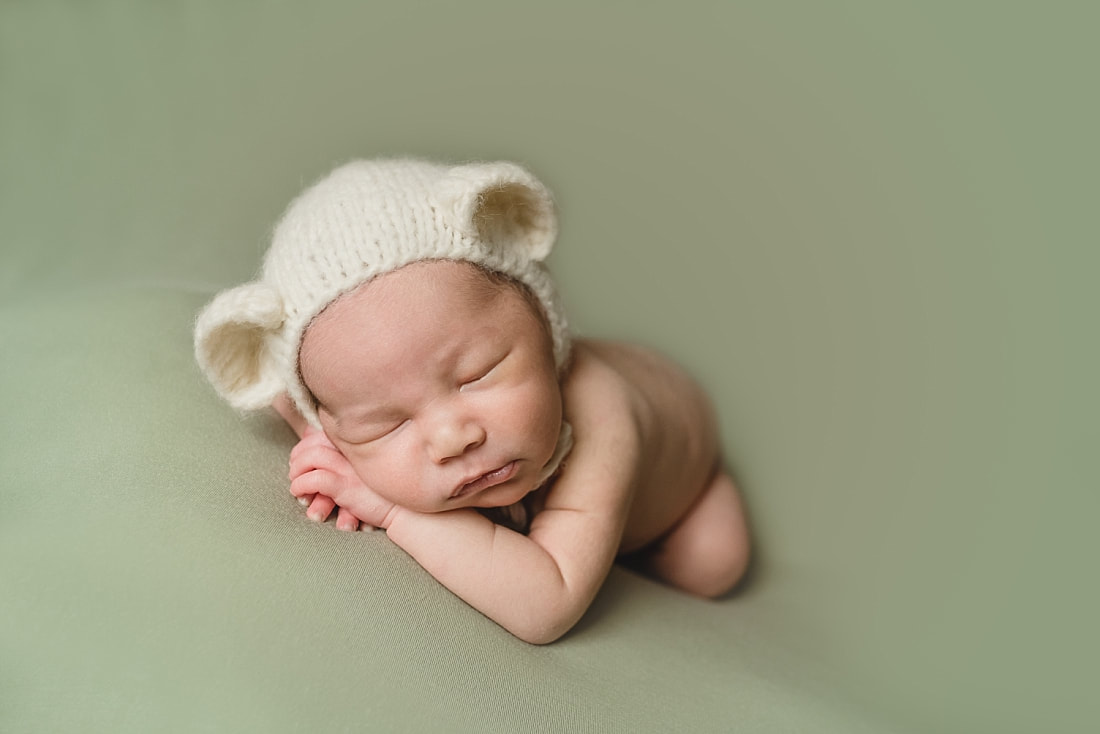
504,575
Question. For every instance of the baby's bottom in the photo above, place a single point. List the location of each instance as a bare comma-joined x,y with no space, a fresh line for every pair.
707,552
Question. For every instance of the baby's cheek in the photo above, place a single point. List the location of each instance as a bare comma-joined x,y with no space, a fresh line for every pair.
540,419
392,475
545,400
362,466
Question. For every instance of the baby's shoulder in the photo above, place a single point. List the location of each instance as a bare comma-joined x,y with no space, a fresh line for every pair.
630,371
596,395
638,387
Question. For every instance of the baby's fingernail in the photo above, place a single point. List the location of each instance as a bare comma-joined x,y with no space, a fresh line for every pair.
303,501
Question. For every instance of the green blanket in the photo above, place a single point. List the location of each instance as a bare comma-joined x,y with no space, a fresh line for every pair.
865,229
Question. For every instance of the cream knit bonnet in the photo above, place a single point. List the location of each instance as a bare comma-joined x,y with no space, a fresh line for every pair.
364,219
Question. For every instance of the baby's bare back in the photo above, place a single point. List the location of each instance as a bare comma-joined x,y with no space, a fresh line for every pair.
678,432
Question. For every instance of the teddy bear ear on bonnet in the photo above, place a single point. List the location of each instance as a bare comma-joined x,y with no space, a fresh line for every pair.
232,345
503,205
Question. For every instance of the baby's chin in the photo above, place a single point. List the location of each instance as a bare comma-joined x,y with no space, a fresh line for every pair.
503,495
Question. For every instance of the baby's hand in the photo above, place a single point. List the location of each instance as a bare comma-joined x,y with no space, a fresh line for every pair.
322,478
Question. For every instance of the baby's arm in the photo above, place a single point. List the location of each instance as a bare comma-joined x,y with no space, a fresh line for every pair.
535,586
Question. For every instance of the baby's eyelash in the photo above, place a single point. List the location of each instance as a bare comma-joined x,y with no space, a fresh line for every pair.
481,374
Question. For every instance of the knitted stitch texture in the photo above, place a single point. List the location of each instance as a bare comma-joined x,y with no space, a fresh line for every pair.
364,219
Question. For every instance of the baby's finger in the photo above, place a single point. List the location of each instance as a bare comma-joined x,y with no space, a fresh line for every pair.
320,508
312,438
316,457
304,445
311,483
346,521
320,437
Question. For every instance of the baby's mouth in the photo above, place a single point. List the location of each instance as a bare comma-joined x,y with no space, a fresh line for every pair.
486,480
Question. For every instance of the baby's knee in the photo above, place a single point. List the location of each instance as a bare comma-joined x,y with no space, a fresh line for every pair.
708,562
707,554
722,546
720,564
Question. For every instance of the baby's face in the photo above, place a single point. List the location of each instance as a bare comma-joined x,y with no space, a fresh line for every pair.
438,386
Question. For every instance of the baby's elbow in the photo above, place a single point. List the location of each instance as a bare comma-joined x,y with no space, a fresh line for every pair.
541,634
547,625
536,638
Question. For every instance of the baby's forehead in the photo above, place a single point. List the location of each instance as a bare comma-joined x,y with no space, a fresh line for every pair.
393,306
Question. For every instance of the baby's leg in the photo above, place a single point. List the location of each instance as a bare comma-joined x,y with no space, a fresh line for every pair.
707,552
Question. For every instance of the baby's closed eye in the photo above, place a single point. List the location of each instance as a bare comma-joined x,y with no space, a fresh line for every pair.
389,428
374,429
481,373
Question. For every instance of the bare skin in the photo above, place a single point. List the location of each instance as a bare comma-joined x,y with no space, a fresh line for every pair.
437,399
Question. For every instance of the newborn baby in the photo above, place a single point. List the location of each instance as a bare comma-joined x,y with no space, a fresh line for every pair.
406,328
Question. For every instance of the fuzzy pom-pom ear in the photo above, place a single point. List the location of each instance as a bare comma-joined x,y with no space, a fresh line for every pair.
232,345
504,205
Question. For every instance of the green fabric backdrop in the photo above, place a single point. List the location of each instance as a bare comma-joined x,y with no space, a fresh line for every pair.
869,229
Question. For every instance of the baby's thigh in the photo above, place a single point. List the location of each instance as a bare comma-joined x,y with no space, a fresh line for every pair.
707,552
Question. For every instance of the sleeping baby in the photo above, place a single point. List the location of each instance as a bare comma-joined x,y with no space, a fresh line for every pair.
406,327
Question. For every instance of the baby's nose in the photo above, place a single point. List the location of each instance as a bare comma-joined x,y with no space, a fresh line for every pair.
454,437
